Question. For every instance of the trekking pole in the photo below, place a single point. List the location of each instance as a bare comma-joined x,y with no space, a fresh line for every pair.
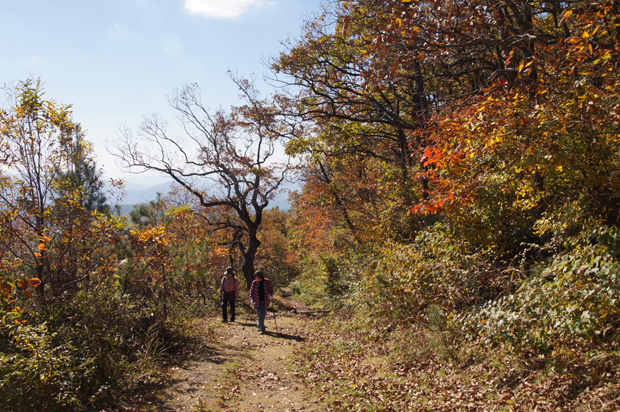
247,319
220,304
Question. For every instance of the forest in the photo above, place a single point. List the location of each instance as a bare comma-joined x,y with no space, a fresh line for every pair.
458,166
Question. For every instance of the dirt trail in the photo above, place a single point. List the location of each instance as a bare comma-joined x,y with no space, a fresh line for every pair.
242,370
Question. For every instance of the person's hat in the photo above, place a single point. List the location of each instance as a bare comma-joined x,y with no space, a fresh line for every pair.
229,271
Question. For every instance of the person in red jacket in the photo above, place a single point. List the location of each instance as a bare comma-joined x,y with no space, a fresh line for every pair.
229,290
261,292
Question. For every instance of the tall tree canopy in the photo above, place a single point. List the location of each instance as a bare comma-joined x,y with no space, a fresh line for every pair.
493,111
228,161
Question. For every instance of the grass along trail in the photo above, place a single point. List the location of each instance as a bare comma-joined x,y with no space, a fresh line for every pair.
238,369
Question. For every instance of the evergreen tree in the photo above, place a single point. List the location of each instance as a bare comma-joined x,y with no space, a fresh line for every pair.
82,174
152,213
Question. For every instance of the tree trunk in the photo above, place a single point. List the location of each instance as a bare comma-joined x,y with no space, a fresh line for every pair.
248,259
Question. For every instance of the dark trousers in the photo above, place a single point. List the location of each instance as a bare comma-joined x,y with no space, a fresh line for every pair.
225,302
261,313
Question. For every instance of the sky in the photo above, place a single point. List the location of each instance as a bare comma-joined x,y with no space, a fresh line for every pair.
115,61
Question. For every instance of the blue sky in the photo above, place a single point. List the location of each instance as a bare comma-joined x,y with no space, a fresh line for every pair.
116,60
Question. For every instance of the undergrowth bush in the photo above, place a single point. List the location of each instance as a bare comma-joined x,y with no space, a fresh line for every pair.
567,313
78,353
402,280
34,372
326,280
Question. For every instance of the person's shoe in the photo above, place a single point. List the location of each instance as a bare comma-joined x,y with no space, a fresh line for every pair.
262,332
232,319
224,320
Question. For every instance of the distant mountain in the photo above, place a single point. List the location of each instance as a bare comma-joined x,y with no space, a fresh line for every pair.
137,194
143,193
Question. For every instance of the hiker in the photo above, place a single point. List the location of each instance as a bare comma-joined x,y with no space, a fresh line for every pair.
229,292
261,292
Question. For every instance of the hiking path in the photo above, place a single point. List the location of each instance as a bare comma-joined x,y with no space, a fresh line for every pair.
239,369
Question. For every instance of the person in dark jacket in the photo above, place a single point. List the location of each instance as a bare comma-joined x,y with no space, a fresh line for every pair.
261,292
229,291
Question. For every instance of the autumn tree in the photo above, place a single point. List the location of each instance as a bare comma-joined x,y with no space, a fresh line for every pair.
370,106
226,160
36,137
530,148
277,257
69,304
508,112
386,80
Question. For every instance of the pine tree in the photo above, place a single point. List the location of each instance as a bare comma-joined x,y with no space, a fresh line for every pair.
82,174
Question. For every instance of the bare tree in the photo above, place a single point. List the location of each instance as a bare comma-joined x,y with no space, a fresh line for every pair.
223,159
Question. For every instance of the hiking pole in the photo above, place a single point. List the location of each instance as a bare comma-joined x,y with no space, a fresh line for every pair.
247,318
274,319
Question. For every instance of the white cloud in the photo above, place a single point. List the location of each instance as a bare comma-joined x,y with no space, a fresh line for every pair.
119,33
220,8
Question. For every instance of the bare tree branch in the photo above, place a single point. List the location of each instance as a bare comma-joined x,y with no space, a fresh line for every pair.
222,159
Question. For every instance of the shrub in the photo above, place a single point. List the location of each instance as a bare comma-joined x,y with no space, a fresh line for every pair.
401,281
570,308
73,354
35,373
